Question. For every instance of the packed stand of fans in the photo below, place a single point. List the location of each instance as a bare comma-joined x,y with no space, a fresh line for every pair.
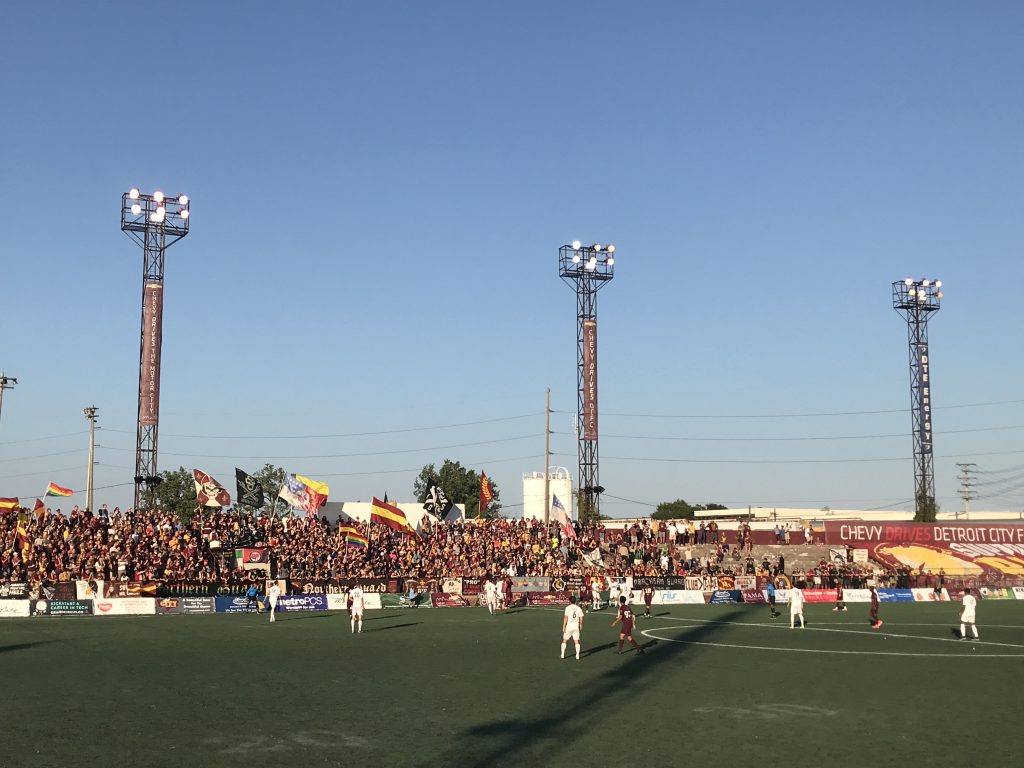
152,545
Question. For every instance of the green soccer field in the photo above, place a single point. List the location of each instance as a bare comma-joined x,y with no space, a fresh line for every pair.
719,685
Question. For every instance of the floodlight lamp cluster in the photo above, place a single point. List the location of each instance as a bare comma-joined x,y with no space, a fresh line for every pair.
157,213
919,289
591,253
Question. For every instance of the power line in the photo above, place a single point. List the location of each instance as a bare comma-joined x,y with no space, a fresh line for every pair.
803,438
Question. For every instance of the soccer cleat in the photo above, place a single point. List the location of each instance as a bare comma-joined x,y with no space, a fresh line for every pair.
834,610
845,608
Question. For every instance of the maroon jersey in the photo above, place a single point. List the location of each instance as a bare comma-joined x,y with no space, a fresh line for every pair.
874,603
648,594
839,593
626,616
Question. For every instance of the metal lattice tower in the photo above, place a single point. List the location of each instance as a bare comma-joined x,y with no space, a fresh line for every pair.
156,222
587,268
916,300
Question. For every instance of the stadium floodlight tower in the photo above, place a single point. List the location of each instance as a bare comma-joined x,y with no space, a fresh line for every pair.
586,268
156,222
916,300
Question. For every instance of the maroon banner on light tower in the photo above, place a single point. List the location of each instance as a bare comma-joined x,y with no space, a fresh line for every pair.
590,379
149,372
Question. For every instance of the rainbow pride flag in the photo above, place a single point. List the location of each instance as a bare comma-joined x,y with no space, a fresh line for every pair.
356,540
55,490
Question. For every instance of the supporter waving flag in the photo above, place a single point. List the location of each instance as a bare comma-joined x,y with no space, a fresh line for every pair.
559,514
304,493
391,516
55,490
486,494
209,492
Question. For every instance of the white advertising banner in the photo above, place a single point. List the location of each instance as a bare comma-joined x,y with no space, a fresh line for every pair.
14,609
125,606
679,597
371,601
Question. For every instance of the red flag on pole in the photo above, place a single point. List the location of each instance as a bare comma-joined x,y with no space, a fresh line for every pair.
486,494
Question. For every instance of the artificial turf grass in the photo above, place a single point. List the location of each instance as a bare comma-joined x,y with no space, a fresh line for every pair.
459,687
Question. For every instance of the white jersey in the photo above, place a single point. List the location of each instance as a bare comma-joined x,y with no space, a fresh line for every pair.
796,601
573,616
356,595
967,614
490,590
273,593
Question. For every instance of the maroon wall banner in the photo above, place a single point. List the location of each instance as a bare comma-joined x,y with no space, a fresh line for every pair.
971,549
149,372
590,379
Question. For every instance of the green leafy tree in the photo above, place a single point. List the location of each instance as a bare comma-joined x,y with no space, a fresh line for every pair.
586,512
926,509
460,484
673,510
176,493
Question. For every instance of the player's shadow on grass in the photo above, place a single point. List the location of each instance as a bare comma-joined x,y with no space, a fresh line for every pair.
556,725
301,616
385,616
395,626
596,649
23,646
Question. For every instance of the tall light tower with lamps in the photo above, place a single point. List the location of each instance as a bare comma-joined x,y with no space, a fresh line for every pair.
156,222
916,300
6,382
586,268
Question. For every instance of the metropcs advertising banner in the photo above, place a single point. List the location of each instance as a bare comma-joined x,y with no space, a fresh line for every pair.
970,549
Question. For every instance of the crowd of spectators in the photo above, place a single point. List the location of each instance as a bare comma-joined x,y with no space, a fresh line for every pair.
153,545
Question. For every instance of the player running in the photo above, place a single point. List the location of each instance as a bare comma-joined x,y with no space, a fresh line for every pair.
648,593
875,621
272,594
796,607
356,605
626,632
967,614
572,623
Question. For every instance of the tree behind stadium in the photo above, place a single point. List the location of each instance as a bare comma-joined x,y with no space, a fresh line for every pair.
176,492
460,484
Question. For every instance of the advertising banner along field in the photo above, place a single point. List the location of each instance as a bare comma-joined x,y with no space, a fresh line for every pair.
962,549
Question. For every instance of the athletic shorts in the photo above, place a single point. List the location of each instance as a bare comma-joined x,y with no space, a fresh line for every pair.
573,634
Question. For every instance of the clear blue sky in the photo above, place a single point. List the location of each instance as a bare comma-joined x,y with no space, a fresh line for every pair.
379,193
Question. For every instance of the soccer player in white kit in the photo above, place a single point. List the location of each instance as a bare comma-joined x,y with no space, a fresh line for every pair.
272,594
796,607
356,596
572,623
595,595
491,595
967,614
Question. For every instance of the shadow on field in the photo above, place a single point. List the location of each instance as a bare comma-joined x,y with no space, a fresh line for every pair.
557,724
23,646
385,616
302,616
596,649
395,626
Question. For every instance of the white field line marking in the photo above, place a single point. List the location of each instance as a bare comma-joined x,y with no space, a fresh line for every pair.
844,631
650,633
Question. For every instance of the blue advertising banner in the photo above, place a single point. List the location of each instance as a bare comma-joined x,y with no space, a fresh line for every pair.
895,595
315,602
726,596
234,605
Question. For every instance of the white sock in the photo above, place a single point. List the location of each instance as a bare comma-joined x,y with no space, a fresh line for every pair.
974,629
963,631
577,653
353,622
563,650
360,625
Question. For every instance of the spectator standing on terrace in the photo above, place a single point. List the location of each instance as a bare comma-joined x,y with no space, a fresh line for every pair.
875,621
796,607
967,614
572,623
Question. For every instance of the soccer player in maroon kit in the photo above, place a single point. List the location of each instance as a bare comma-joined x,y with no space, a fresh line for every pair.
840,603
626,617
648,592
506,588
875,621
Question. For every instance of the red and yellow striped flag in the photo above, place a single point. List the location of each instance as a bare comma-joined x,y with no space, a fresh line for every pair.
390,515
9,503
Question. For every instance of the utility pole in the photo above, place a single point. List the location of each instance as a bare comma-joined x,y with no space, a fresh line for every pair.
547,460
6,382
90,414
966,484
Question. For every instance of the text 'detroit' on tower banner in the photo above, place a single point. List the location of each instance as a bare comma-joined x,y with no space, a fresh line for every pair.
149,374
924,397
590,379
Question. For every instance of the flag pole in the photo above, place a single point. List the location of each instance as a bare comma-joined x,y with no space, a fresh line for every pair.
547,460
